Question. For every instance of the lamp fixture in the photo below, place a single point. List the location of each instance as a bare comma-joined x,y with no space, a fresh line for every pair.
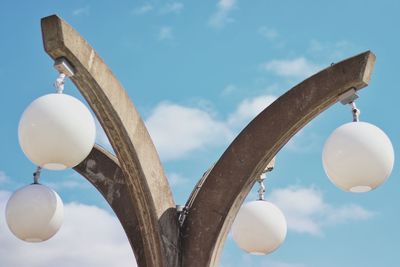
358,156
34,213
57,131
260,226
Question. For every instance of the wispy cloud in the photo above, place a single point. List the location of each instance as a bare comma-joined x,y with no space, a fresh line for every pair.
306,210
178,130
81,11
221,17
268,33
165,33
174,7
168,8
293,68
332,51
69,247
143,9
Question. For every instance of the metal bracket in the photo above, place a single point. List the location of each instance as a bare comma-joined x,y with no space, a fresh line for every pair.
271,165
261,189
182,211
36,175
348,96
63,66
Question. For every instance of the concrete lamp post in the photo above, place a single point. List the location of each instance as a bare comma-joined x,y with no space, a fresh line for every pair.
134,183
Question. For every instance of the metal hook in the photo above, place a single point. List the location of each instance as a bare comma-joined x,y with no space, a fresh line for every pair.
36,175
260,180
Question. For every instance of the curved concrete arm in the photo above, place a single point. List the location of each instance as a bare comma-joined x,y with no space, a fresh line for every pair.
102,170
218,196
147,191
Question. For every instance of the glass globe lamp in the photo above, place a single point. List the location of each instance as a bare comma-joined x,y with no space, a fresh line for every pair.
358,157
259,228
56,131
34,213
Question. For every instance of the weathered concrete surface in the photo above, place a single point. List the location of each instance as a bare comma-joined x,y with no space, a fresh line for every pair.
218,196
101,168
147,190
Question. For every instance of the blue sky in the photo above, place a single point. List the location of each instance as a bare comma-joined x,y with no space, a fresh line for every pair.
198,71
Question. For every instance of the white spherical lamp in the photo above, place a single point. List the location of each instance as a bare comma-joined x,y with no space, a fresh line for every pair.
358,157
34,213
259,228
56,131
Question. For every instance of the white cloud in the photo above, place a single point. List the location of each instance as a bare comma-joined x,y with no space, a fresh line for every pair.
346,213
307,212
268,33
221,17
248,109
177,130
81,11
298,67
165,33
89,237
143,9
174,7
226,4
